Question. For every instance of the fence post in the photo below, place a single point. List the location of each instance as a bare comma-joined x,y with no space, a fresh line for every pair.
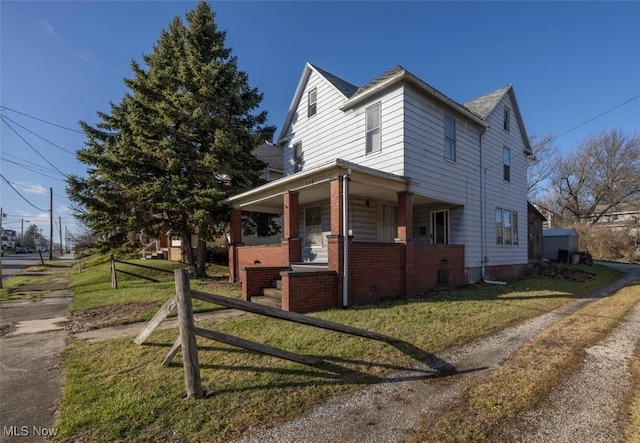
187,335
114,276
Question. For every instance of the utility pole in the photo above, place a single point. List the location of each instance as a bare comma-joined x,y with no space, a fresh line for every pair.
51,223
60,227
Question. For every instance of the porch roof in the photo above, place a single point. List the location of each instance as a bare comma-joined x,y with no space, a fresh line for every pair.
313,185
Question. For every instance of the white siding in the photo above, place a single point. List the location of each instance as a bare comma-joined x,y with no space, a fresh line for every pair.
332,133
506,195
457,183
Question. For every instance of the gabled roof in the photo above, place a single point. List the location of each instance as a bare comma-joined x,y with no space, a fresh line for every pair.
486,104
343,87
346,88
399,74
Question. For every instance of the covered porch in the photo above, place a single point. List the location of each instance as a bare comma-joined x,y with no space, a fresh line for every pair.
352,231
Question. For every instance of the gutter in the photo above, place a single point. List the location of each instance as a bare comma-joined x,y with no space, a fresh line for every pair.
483,246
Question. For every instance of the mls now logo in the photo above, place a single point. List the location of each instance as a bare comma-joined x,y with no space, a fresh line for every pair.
23,431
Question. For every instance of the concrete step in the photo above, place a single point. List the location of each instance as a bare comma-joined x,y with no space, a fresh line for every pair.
265,300
276,284
272,292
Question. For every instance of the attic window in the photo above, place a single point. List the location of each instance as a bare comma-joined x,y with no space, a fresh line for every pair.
312,103
297,157
506,119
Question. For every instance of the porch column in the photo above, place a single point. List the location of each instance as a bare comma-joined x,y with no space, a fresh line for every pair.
291,238
405,217
335,241
235,240
405,237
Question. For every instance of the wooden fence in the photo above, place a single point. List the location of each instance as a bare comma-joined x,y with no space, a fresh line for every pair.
114,271
188,332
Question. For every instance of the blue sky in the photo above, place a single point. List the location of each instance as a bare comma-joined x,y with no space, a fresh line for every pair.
64,61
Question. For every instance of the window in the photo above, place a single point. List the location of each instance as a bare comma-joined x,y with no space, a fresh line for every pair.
449,138
387,223
313,226
373,129
440,227
506,227
506,119
506,162
297,157
312,103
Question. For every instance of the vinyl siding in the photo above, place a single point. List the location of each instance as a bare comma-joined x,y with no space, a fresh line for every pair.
332,133
457,183
506,195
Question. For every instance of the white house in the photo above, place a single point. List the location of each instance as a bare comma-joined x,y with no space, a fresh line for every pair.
389,189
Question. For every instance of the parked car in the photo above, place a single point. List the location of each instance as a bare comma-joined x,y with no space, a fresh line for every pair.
21,250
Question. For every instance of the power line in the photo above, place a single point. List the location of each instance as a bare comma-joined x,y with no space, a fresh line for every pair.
31,170
28,144
597,116
31,204
39,136
42,120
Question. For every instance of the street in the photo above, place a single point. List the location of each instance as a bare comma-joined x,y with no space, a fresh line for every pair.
15,263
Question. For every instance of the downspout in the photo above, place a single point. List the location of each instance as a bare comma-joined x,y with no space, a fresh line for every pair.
483,246
345,235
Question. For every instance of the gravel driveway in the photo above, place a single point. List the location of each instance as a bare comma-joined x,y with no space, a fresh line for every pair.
585,408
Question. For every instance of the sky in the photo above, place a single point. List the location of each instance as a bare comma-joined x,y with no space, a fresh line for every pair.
575,67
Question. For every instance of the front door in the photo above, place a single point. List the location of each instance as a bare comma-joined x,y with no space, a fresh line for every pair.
440,227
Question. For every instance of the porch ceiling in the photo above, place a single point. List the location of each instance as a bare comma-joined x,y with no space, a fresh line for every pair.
314,185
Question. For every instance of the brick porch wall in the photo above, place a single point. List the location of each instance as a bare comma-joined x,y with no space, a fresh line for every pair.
309,291
425,262
376,271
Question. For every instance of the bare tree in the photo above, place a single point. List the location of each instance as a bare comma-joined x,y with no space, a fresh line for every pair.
603,173
541,165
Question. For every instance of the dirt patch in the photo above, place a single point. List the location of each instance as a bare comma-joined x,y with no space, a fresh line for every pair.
103,317
551,270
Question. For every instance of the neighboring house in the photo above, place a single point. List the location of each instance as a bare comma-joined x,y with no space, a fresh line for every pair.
389,189
536,223
622,218
9,238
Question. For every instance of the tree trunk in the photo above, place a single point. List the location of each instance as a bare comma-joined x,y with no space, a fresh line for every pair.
188,254
201,265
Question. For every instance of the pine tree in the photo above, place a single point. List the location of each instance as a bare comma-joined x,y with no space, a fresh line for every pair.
178,143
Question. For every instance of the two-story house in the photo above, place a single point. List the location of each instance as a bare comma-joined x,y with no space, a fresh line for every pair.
389,189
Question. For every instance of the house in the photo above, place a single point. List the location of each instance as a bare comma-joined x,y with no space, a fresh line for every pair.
389,189
536,223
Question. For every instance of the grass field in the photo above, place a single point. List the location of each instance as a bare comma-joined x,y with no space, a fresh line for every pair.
116,390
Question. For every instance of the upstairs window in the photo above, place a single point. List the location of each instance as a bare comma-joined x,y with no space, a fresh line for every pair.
373,129
297,157
312,102
506,120
506,164
449,138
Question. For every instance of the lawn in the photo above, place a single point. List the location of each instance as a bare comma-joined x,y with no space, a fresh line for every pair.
116,390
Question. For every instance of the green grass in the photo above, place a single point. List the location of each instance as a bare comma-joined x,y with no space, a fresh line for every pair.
92,287
117,390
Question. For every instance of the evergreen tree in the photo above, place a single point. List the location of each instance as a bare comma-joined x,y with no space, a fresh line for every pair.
178,143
